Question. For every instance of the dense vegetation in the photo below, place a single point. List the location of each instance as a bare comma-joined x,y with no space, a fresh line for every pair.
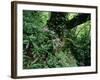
56,39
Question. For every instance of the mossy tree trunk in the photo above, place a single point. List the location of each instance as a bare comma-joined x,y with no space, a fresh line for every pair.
59,24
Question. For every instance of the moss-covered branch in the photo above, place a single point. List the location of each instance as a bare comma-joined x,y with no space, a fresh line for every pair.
74,44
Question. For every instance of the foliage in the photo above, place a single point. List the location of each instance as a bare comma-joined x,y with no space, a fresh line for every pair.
49,43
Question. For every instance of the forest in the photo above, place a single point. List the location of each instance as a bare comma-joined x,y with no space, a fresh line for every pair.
56,39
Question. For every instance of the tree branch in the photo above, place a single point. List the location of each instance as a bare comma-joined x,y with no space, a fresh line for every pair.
74,44
79,19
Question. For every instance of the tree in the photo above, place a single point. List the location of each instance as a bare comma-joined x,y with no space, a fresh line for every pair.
51,39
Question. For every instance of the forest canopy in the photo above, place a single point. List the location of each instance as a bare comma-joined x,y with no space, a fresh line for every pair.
56,39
